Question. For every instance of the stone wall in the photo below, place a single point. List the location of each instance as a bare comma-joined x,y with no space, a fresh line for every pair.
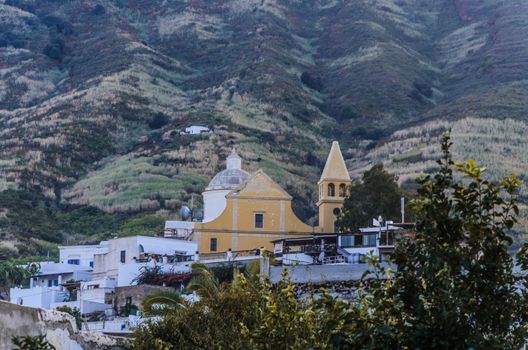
134,294
60,329
322,273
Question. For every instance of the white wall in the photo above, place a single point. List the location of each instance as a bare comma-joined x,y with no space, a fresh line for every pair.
84,253
360,251
84,306
214,203
106,264
109,264
296,259
41,297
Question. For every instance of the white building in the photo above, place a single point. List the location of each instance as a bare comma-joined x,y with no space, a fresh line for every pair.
90,296
179,229
378,241
214,196
126,256
195,130
339,248
46,287
82,255
116,262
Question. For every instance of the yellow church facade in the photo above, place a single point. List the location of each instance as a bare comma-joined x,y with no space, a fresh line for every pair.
258,210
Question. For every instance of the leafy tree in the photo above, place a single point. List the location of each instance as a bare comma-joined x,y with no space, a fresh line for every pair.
455,287
55,49
159,120
12,275
161,303
377,194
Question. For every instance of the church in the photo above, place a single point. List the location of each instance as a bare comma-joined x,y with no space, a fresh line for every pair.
245,211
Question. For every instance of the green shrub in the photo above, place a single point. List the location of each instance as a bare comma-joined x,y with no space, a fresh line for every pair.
38,342
55,49
75,312
147,225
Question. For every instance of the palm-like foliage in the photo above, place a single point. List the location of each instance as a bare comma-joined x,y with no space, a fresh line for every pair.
12,275
203,282
38,342
161,303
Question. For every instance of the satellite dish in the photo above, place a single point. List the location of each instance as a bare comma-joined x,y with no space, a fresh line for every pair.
185,212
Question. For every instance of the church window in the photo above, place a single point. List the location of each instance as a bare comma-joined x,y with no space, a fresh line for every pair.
123,256
213,245
342,190
331,190
259,220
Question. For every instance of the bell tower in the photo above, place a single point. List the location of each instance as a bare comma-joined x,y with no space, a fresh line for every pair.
332,189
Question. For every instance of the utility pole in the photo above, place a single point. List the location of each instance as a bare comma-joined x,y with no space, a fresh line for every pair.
402,210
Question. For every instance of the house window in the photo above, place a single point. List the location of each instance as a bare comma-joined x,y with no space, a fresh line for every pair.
74,261
91,264
128,300
55,282
259,220
358,240
347,241
369,240
342,190
331,190
213,245
123,256
49,283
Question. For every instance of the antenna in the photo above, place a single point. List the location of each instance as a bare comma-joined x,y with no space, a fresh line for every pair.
185,213
402,200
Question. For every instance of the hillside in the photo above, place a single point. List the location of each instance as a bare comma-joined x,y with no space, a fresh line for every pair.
93,95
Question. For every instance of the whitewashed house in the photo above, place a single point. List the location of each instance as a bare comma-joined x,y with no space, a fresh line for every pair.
195,130
82,255
116,263
90,296
340,248
378,241
126,256
47,286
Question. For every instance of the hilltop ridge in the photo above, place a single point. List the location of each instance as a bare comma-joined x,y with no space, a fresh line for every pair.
93,95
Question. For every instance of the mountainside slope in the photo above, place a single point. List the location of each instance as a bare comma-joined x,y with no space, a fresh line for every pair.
93,95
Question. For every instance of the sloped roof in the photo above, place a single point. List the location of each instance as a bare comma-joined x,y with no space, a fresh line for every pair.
335,167
59,268
260,185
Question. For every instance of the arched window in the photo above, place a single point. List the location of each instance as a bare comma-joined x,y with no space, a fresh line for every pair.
331,190
342,190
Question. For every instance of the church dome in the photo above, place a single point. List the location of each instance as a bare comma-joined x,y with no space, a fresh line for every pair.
227,179
230,178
